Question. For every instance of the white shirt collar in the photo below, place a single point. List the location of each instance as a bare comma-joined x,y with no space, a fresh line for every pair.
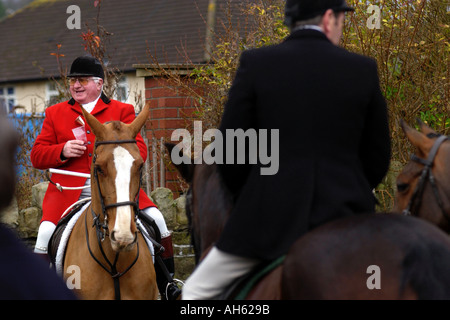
308,26
91,105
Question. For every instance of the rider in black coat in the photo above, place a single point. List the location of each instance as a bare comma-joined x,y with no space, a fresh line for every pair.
333,146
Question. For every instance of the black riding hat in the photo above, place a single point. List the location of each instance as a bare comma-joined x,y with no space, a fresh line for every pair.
298,10
86,66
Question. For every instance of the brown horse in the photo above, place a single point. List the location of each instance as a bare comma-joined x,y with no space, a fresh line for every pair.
431,200
367,256
105,247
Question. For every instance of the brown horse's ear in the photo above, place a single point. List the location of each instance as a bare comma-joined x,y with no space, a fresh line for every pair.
424,128
418,139
185,168
140,120
97,127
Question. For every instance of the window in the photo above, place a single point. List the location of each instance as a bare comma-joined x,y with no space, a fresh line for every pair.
121,92
52,94
7,99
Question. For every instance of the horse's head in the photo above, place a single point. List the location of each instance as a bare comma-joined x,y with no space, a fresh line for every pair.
208,203
425,192
115,177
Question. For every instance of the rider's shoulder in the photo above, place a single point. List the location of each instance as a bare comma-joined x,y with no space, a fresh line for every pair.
118,105
57,107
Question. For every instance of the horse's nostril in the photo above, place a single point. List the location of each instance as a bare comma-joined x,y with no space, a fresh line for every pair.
113,238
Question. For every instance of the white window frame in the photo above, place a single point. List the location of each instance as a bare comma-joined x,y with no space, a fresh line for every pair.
8,100
122,84
50,92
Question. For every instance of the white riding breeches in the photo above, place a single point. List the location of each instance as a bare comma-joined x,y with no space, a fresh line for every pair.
156,215
215,272
45,232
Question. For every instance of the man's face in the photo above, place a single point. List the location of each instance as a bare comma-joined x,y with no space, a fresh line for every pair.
85,89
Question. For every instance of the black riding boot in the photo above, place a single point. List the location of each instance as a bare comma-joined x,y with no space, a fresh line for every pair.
165,270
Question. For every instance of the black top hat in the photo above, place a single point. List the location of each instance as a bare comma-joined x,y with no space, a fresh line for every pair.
297,10
86,66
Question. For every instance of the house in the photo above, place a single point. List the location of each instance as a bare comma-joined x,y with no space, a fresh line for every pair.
35,36
32,35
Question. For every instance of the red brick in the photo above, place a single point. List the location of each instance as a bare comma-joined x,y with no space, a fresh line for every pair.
153,103
171,175
179,102
172,124
164,113
163,92
158,134
155,82
154,124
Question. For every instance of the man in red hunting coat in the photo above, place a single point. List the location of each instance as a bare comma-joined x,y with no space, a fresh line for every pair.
65,142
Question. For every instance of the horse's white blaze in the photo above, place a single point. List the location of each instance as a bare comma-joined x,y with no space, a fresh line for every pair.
123,162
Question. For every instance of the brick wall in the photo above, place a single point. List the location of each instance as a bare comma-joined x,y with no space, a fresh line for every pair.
170,109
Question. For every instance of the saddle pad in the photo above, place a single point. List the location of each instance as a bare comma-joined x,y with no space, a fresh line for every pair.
254,278
60,253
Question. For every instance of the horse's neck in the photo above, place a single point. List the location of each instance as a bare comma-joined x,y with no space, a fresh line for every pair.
217,206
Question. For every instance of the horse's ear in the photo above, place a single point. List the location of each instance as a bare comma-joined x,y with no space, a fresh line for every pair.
424,128
185,168
97,127
418,139
140,120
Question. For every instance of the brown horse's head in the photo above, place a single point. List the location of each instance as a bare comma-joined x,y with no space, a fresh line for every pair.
115,172
432,203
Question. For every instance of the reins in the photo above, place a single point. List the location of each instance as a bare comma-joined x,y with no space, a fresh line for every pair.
112,266
426,175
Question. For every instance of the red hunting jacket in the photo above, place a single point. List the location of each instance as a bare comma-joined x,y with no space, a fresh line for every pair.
59,121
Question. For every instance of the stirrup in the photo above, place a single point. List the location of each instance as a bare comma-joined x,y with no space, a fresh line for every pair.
175,283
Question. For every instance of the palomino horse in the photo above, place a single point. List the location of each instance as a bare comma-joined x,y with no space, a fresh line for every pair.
366,256
112,256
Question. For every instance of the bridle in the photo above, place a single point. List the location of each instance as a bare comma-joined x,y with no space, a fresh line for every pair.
427,175
135,204
102,227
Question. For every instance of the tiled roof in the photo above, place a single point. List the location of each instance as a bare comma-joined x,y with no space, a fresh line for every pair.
164,26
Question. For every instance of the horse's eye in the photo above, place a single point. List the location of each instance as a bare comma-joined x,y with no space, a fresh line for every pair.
402,187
